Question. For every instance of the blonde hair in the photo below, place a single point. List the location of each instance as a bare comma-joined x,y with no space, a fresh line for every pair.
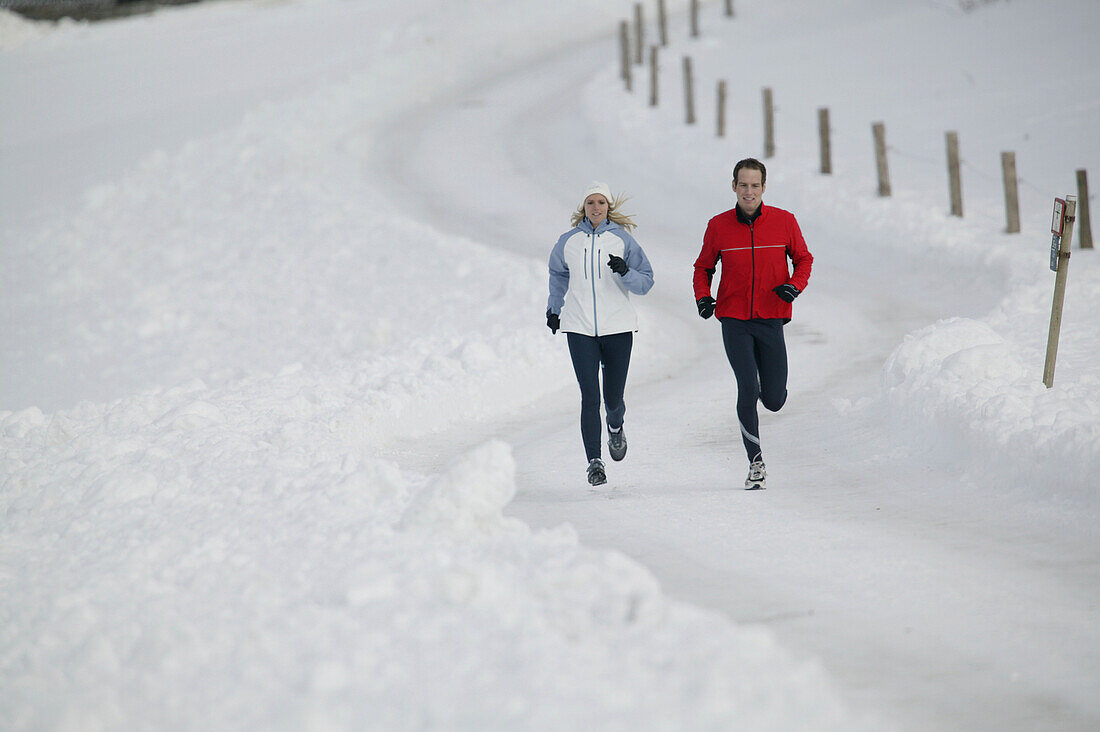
614,215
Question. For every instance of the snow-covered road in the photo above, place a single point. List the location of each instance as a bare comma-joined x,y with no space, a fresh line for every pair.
938,601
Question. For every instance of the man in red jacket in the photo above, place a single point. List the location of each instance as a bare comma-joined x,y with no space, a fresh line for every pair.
753,243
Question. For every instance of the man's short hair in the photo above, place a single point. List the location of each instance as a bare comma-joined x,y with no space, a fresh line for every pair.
751,164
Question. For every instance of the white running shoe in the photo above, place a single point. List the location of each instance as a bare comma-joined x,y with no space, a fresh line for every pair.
757,476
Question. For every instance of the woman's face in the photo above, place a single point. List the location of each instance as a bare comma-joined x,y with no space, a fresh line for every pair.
595,208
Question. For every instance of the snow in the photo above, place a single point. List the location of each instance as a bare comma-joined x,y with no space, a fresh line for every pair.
199,590
284,442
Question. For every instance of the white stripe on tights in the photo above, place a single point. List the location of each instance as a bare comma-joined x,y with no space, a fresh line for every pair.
748,435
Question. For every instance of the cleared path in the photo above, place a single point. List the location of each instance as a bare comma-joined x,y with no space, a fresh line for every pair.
934,602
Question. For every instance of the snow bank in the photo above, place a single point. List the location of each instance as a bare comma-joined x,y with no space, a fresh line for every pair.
187,560
261,247
975,388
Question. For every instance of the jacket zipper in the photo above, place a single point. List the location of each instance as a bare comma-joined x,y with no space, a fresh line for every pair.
595,320
752,283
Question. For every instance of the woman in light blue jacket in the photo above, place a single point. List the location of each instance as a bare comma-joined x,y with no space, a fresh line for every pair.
593,269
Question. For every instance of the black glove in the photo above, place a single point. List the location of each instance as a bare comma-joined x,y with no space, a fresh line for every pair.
617,265
787,292
553,322
706,306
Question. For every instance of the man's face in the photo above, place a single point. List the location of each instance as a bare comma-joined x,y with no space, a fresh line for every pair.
749,188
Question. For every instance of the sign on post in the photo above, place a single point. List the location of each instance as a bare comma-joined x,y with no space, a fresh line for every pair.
1065,211
1057,224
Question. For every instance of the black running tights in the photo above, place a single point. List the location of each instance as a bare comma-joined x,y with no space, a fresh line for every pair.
588,353
758,355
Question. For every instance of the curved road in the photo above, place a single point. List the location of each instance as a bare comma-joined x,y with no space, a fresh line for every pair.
932,603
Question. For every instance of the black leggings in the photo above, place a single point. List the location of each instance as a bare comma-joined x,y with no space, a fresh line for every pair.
758,355
588,352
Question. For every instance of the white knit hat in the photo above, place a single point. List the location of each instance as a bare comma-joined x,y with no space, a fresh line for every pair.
596,187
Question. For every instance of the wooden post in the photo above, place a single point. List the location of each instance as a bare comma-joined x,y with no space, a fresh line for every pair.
639,29
1012,196
953,178
624,56
769,124
729,8
1083,205
722,108
879,131
826,145
653,76
662,22
1059,293
694,18
689,91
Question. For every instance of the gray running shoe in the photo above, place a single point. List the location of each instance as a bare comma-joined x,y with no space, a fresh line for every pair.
616,444
757,476
596,474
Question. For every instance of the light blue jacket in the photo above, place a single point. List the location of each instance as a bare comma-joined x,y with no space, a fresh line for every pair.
584,292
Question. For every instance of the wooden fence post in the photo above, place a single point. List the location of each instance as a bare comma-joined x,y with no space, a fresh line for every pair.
689,92
1012,196
653,76
722,108
769,124
953,177
624,55
1059,293
639,30
662,22
826,144
694,18
729,8
879,131
1083,209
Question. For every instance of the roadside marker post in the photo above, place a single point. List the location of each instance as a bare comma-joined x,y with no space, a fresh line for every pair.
1061,228
624,54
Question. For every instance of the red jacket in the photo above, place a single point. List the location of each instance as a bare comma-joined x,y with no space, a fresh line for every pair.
754,262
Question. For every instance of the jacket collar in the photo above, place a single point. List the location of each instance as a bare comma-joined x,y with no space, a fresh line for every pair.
747,220
586,226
